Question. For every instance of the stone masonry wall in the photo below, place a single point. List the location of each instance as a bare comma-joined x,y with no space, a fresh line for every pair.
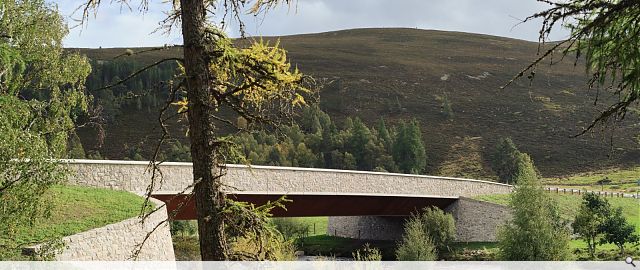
478,221
366,227
132,176
117,242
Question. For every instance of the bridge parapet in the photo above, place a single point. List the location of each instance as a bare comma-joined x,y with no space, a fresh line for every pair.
177,176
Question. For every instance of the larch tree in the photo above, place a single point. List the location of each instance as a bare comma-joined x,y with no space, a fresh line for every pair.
256,82
606,34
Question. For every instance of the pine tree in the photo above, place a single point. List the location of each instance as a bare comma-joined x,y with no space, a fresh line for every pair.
505,159
408,149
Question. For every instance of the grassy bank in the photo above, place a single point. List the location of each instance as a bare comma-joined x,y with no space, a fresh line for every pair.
569,205
76,209
622,180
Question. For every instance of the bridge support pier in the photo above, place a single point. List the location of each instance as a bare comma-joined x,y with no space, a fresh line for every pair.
366,227
476,221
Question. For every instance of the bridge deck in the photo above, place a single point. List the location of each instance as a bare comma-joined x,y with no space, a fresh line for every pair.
321,204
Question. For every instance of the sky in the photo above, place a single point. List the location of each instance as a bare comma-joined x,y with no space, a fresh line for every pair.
118,26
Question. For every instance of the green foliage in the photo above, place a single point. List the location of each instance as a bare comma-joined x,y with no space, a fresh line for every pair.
74,147
416,243
290,229
41,92
536,231
318,143
506,159
178,152
408,148
133,153
183,227
599,223
367,253
618,231
434,224
142,92
593,213
440,227
253,236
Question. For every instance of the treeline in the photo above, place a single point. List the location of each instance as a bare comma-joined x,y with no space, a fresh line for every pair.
317,141
142,92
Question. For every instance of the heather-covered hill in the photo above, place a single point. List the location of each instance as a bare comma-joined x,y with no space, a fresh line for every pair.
448,81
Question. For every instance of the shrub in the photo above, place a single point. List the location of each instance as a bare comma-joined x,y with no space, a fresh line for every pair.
416,245
273,247
440,227
367,253
182,227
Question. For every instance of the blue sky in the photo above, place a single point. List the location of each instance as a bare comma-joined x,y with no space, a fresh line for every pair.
117,26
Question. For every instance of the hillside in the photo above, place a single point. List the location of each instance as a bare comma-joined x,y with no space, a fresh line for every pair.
400,74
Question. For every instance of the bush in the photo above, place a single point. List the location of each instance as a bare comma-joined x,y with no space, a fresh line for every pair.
440,227
367,253
416,245
273,248
182,228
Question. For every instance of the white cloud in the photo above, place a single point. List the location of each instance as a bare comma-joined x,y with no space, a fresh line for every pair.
116,27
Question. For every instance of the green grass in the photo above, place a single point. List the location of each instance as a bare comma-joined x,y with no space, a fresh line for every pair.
622,180
320,224
78,209
333,246
570,204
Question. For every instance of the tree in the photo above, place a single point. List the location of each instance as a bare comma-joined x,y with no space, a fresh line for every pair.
589,221
506,159
357,144
383,134
605,33
618,231
536,231
408,148
416,244
74,147
41,92
255,82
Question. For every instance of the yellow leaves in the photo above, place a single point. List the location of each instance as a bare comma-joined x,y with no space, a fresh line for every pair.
183,105
256,75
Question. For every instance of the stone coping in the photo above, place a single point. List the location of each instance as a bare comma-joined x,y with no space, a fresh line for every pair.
323,194
261,167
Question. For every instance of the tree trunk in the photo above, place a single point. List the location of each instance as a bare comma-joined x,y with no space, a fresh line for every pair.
209,197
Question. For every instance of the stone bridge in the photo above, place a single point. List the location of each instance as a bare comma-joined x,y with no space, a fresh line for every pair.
368,205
